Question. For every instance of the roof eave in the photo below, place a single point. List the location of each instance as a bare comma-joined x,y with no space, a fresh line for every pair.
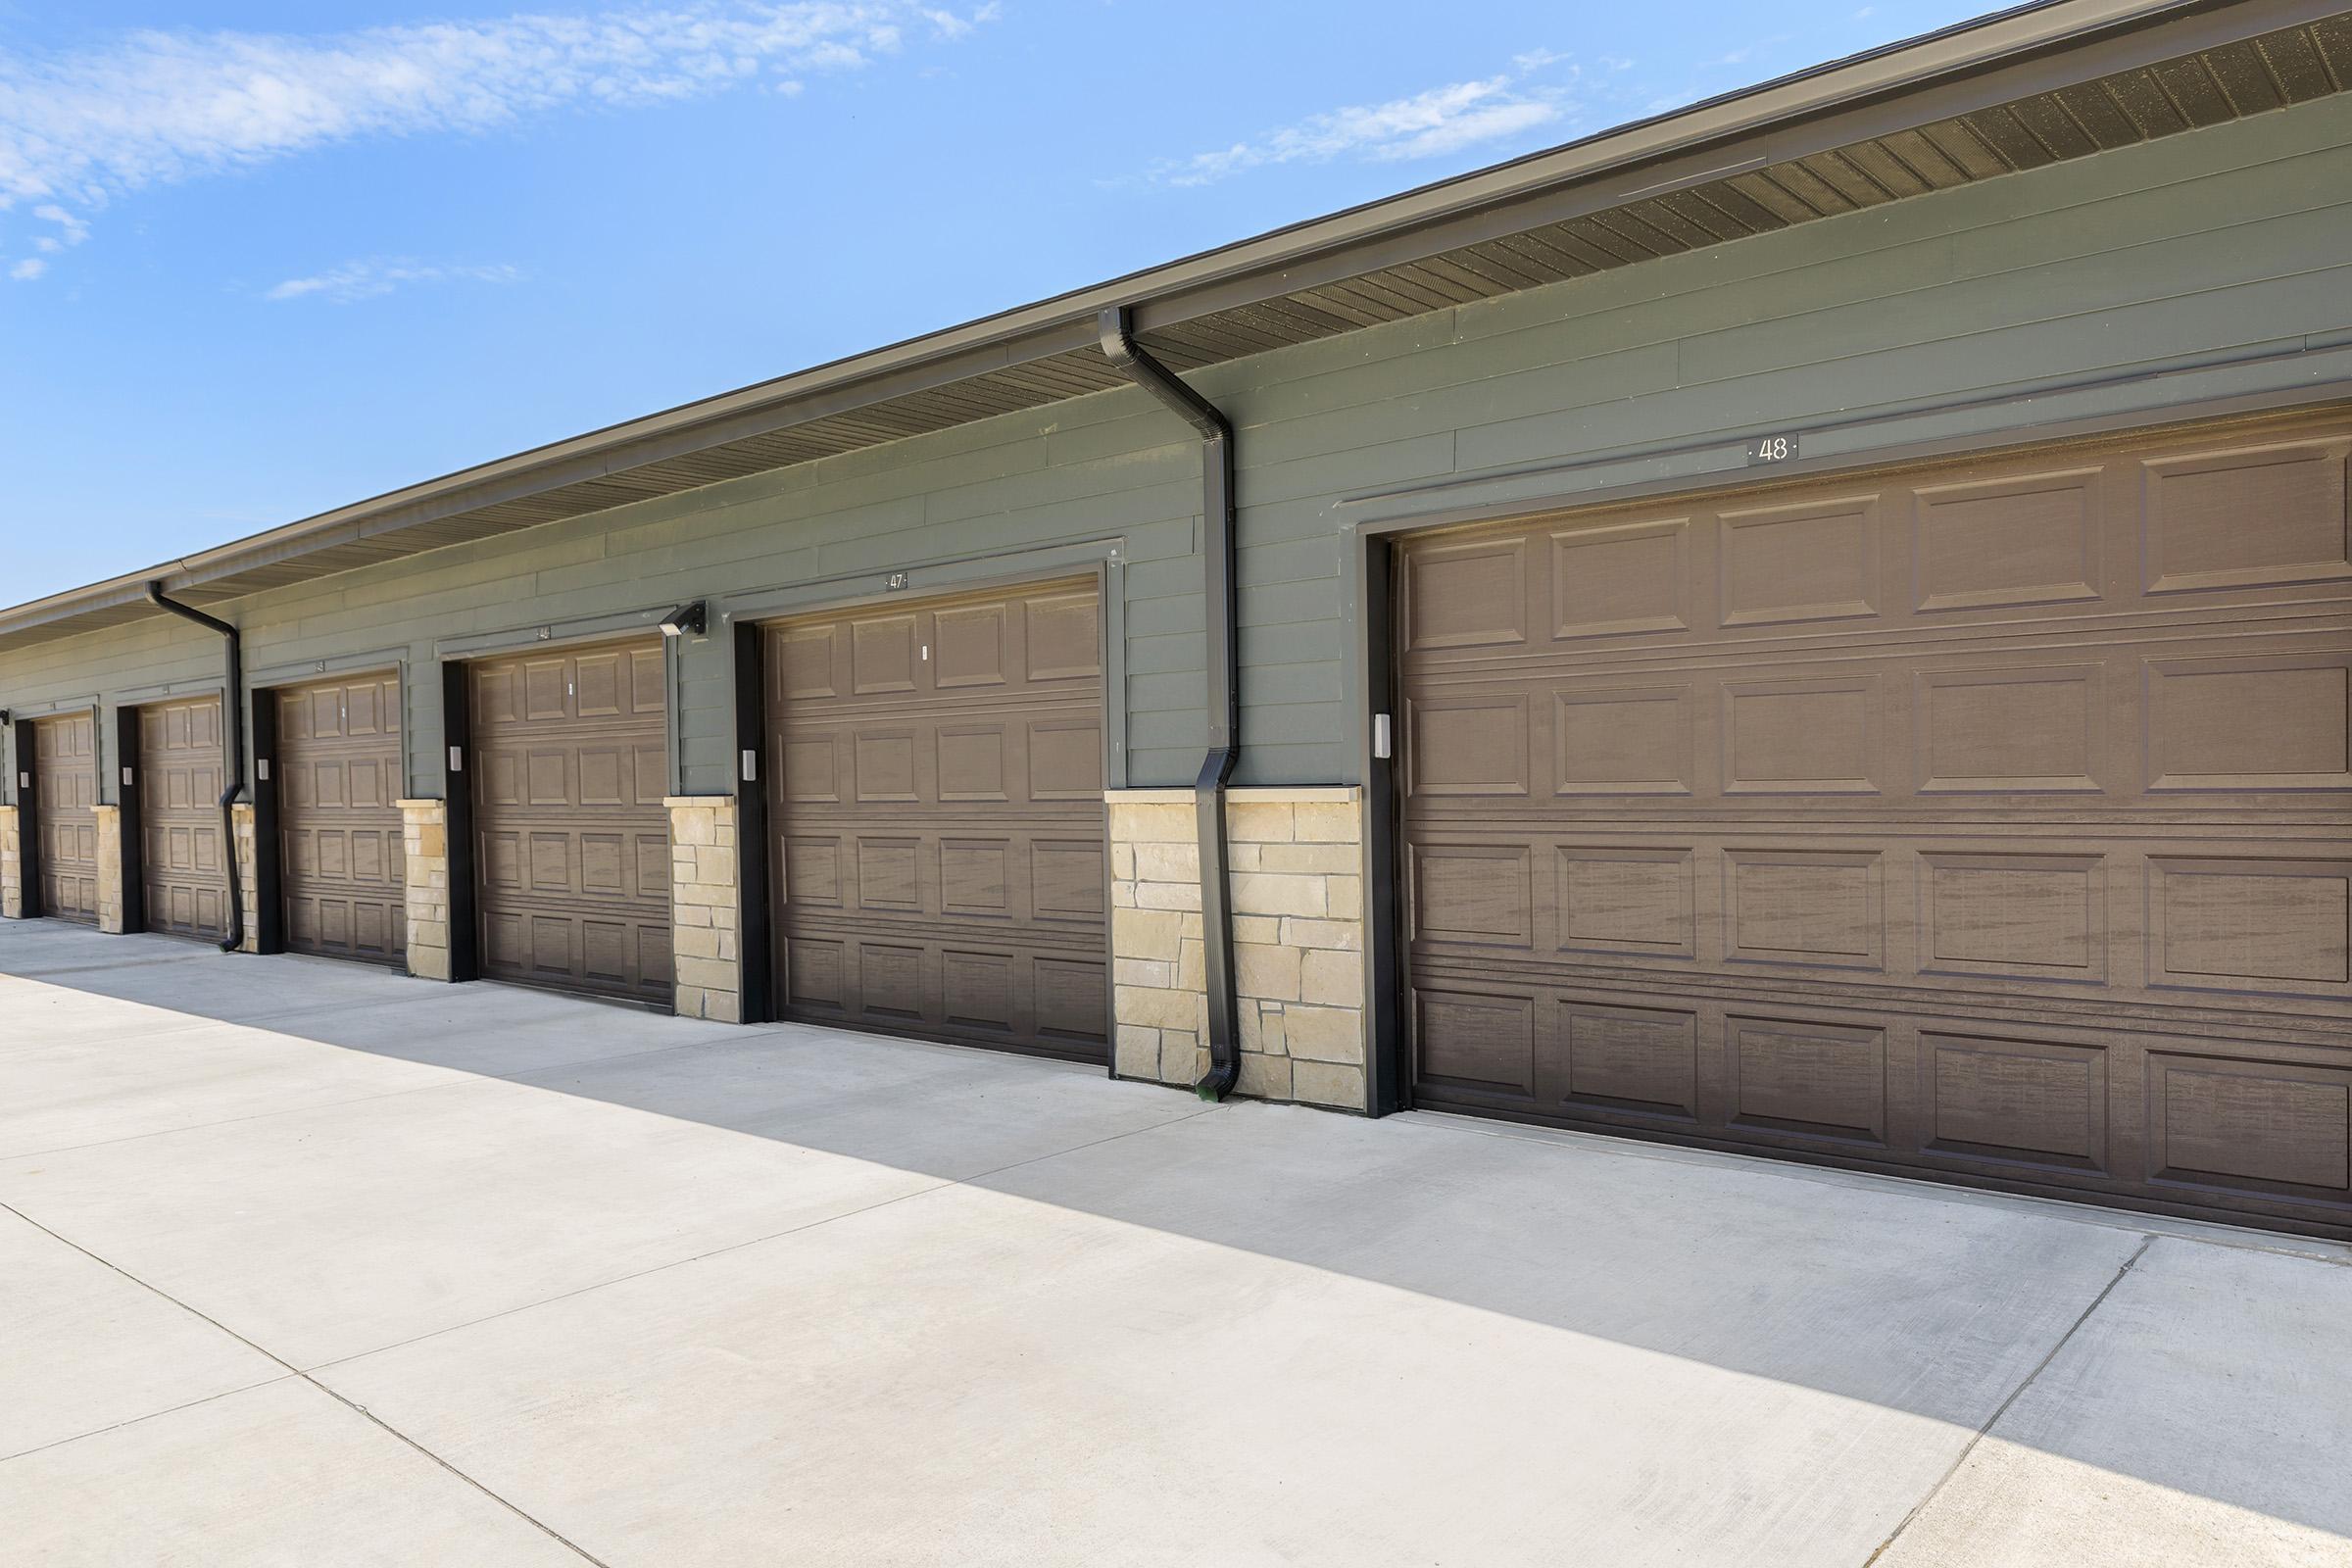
1932,77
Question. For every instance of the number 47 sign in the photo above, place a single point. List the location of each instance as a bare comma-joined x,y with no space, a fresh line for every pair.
1771,448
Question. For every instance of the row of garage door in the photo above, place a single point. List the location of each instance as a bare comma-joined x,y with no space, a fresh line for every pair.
1986,822
179,874
937,780
935,777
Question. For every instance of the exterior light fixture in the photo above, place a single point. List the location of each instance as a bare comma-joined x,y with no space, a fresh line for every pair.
691,618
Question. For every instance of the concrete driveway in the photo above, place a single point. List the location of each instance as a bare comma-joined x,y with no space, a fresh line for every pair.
309,1264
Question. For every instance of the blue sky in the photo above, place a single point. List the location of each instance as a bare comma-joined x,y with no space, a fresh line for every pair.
259,260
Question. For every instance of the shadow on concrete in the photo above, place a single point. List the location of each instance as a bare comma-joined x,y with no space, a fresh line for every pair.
1904,1296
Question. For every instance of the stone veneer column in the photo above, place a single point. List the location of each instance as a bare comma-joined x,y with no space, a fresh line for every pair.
1294,861
704,907
425,871
12,867
247,864
108,828
1159,986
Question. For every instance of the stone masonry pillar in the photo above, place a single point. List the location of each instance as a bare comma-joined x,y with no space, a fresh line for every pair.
245,864
1295,857
705,907
12,867
424,869
109,820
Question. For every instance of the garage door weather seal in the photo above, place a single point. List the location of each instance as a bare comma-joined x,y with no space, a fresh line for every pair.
1224,693
232,747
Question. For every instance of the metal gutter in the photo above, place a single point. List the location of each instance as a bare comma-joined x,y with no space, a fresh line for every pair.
232,747
1939,75
1217,519
1933,76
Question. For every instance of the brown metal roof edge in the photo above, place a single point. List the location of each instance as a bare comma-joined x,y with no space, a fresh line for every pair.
1432,217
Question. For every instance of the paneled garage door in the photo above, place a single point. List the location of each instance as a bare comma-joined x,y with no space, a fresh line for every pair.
184,865
66,786
937,820
339,829
572,838
1987,821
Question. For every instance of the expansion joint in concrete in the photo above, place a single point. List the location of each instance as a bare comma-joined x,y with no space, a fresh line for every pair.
1960,1461
294,1371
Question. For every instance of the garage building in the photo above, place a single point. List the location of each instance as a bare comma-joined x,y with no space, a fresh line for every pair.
1819,624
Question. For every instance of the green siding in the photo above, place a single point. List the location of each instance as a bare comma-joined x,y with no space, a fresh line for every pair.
2173,254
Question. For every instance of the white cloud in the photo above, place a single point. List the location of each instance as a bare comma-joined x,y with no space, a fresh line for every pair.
367,279
948,25
26,271
79,129
72,230
1442,120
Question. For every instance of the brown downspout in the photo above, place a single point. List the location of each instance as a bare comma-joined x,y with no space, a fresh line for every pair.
232,701
1224,687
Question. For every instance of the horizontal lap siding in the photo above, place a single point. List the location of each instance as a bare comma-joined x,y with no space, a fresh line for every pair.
2165,253
2173,253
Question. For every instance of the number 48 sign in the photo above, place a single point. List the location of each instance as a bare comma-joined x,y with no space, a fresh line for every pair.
1771,448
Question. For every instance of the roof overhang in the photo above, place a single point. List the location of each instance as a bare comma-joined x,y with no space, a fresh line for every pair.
2036,85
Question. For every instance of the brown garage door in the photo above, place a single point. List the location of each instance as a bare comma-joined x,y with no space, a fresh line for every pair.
339,831
571,836
937,821
179,772
66,786
1987,821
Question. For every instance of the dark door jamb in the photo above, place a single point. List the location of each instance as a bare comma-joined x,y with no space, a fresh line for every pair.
28,816
755,947
129,820
457,796
269,878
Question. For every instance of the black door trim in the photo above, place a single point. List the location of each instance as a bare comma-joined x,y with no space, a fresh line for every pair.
754,917
457,796
29,902
132,849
